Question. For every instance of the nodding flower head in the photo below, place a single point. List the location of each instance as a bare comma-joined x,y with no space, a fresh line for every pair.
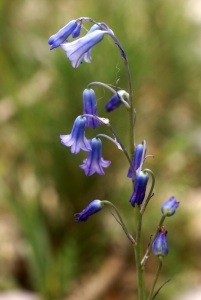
138,158
95,163
58,38
117,99
169,207
77,140
90,107
160,245
139,188
94,207
79,49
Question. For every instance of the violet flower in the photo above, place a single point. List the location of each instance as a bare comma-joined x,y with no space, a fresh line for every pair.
137,159
94,162
76,31
117,99
90,107
58,38
160,245
77,140
139,188
94,207
78,50
169,207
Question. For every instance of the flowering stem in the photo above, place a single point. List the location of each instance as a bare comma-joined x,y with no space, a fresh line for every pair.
109,138
137,249
123,148
121,222
102,84
144,205
132,112
146,256
156,277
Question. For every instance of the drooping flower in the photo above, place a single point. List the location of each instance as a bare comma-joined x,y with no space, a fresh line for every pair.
160,245
77,140
169,207
95,162
117,99
76,31
137,159
94,207
78,50
139,188
89,102
58,38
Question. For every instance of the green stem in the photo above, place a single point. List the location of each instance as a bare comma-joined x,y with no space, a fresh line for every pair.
102,84
132,113
137,248
123,148
146,256
156,277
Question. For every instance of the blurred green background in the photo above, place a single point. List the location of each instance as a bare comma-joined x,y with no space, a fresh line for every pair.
42,248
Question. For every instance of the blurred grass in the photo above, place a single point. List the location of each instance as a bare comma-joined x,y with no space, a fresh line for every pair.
41,95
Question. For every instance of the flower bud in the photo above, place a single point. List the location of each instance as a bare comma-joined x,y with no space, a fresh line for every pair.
139,188
117,99
93,207
169,207
160,245
137,159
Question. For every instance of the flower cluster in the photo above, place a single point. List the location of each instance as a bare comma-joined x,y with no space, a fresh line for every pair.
77,51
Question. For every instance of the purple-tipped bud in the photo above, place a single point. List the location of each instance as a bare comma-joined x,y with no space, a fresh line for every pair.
160,245
90,107
95,163
116,100
77,140
169,207
76,31
94,207
58,38
137,159
139,188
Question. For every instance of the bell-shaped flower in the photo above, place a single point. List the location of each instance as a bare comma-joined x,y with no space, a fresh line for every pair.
58,38
169,207
137,159
160,245
78,50
90,107
95,162
139,188
77,140
94,207
76,31
117,99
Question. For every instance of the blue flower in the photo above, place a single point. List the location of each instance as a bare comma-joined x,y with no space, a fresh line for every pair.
169,207
78,50
139,188
116,100
77,140
58,38
76,31
160,245
94,207
137,158
95,162
89,101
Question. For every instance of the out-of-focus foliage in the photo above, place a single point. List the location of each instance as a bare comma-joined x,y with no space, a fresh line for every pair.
41,95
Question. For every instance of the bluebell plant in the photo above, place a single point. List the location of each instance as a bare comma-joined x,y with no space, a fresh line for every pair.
142,179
